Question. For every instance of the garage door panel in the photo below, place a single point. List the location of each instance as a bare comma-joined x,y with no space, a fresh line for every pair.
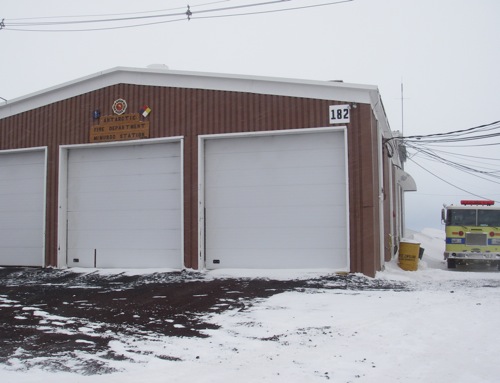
125,152
22,165
276,201
124,220
135,166
20,220
300,195
275,238
127,258
81,257
20,255
282,176
126,158
123,239
279,142
136,239
277,259
125,206
266,148
24,238
22,182
299,216
21,202
11,160
126,200
136,182
260,160
25,171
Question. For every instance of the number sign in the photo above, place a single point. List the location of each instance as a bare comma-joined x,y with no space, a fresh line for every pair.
340,114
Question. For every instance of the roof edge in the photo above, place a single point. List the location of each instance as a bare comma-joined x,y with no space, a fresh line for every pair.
315,89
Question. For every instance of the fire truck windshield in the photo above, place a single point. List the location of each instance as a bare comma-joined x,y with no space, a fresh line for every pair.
488,218
473,217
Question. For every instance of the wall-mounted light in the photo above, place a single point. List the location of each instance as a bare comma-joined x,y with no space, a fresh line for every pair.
96,114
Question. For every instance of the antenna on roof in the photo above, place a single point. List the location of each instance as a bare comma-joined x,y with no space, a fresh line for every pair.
402,110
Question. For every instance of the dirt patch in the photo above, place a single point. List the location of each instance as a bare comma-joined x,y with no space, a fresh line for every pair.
49,317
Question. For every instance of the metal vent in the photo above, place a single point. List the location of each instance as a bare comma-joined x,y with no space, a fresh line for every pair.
476,239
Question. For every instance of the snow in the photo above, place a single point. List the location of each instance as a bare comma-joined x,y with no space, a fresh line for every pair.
443,328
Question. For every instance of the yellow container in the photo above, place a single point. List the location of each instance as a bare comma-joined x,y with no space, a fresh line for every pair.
408,255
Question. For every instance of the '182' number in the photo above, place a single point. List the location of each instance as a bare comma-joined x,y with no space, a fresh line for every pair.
339,114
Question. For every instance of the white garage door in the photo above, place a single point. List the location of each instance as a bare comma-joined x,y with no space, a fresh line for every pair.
22,180
124,206
276,201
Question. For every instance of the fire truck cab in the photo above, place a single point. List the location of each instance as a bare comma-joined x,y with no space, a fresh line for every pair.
472,233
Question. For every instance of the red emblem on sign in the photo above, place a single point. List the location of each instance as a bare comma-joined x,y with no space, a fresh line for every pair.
119,106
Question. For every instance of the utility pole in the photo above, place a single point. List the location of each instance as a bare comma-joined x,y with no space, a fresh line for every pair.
402,110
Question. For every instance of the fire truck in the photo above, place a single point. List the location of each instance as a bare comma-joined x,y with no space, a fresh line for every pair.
472,234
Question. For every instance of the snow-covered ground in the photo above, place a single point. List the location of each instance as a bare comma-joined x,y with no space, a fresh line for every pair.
443,328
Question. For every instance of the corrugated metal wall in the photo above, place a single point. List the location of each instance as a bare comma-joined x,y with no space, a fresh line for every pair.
388,251
189,113
364,191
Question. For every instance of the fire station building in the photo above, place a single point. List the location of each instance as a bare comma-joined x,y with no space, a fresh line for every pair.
154,168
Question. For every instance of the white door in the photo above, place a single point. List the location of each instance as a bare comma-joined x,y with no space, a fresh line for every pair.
22,185
276,201
124,206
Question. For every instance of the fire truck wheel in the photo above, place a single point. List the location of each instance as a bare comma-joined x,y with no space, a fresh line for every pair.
452,264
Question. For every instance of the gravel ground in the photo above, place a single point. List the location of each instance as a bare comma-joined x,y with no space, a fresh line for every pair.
49,317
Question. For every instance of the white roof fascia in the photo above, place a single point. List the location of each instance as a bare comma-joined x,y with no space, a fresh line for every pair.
324,90
379,111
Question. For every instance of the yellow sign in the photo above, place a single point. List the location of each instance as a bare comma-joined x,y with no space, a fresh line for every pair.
119,128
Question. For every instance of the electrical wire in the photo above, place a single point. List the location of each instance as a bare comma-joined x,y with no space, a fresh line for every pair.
423,148
131,18
30,25
27,26
117,14
483,170
276,10
462,155
449,183
449,136
99,29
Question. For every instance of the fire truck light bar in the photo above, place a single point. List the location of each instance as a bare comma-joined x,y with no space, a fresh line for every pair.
473,202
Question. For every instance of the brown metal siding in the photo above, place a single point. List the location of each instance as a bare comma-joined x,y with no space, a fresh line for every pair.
395,208
193,112
387,205
363,192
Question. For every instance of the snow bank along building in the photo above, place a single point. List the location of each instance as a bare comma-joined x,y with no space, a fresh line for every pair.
152,168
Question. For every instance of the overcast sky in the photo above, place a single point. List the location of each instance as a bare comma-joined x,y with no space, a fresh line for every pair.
445,52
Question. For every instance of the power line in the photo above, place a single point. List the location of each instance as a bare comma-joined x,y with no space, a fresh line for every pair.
449,183
139,18
423,146
483,170
466,155
277,10
482,174
186,15
455,133
99,29
117,14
